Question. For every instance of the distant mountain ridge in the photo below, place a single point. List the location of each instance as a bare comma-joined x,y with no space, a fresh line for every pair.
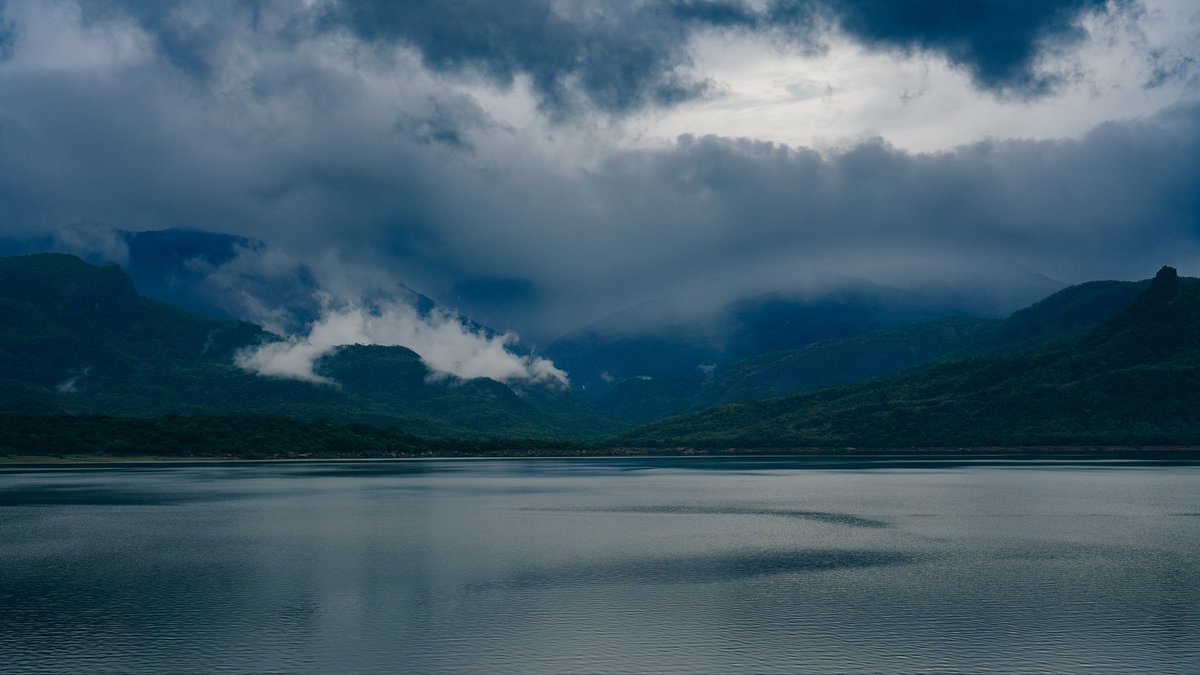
1063,316
635,365
861,356
1132,380
631,347
78,337
1100,363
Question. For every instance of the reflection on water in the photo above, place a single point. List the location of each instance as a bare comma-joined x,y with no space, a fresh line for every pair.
701,565
819,516
702,568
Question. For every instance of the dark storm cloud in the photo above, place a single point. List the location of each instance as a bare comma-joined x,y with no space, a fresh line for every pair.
724,14
620,55
623,56
308,140
997,41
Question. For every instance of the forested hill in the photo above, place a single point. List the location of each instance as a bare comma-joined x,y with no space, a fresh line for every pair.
1135,379
1063,316
77,338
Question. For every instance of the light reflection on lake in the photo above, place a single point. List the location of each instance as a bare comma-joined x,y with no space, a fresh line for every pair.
621,565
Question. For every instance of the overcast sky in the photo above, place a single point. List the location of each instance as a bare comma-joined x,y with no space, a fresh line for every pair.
540,163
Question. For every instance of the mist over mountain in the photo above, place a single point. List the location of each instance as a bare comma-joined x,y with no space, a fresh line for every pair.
79,338
1059,318
681,340
692,338
215,274
1130,380
219,275
851,351
1102,360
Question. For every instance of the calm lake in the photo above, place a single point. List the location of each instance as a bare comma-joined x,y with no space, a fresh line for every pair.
602,565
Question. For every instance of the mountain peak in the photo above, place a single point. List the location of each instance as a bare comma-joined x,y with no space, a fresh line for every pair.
1167,277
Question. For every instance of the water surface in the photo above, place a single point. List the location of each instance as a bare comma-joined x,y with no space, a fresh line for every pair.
622,565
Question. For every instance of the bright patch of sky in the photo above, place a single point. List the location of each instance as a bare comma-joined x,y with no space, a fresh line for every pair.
846,93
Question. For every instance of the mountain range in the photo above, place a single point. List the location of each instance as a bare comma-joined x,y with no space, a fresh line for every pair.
1105,362
1131,380
79,338
842,352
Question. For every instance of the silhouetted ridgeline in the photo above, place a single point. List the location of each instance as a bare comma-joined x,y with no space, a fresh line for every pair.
1133,380
89,367
839,358
50,434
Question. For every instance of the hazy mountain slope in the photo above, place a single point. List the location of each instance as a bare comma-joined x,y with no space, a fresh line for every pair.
645,343
78,337
1131,380
230,277
1061,317
837,362
67,326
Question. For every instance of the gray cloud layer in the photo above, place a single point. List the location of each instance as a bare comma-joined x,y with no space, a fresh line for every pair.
298,128
626,55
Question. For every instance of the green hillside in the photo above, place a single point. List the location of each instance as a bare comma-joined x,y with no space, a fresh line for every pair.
1061,317
653,341
78,338
1106,363
1131,380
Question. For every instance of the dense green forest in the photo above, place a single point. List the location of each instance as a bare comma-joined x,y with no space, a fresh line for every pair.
78,338
1133,380
89,367
1061,317
51,434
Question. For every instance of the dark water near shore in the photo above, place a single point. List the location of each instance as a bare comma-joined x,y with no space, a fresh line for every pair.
624,565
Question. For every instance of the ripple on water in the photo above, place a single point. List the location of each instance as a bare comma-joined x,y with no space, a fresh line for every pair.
470,570
828,517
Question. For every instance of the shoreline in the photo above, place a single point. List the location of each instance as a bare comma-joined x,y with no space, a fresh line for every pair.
1015,453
